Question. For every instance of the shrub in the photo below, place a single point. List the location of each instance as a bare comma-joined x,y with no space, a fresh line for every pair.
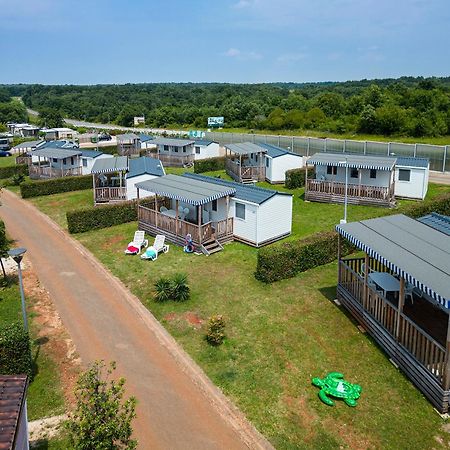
93,218
287,259
295,178
209,164
17,179
10,171
172,288
15,350
55,186
440,204
215,330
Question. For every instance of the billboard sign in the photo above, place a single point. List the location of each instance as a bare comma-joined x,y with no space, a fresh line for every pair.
215,122
196,134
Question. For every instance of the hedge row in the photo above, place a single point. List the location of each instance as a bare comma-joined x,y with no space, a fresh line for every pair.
287,259
15,350
209,165
440,205
10,171
295,178
87,219
55,186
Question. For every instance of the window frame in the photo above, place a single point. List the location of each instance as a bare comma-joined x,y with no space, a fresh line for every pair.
374,173
354,170
408,171
242,210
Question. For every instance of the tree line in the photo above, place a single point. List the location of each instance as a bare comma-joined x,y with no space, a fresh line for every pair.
406,106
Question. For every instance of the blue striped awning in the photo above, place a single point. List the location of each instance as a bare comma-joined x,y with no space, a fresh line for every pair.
353,161
407,247
108,165
187,190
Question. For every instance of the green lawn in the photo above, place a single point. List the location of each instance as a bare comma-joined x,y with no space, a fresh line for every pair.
45,397
6,161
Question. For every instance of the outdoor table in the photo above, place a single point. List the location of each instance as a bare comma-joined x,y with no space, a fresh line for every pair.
385,281
170,213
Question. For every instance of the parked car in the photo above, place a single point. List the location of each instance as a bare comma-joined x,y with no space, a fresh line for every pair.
104,137
4,153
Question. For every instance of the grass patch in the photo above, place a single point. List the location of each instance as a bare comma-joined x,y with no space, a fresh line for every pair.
7,161
278,337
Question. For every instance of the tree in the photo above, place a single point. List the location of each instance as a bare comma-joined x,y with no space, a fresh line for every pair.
4,246
367,120
51,118
102,420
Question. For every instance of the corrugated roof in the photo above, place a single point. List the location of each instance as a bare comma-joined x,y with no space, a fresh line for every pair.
57,153
12,396
28,144
203,142
106,165
90,153
145,137
173,142
253,194
437,221
245,148
143,165
274,152
59,144
353,161
408,247
409,161
192,191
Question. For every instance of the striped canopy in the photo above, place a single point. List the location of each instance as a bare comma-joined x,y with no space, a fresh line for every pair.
108,165
353,161
193,192
411,249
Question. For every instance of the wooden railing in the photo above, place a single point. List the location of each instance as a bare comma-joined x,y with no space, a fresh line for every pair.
409,335
106,194
23,159
239,173
51,172
224,228
353,190
173,159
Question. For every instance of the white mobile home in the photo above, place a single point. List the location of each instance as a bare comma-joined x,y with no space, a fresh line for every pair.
206,149
88,158
59,133
278,161
174,152
411,177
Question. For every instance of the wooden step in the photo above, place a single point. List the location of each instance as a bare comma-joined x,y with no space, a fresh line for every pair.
211,246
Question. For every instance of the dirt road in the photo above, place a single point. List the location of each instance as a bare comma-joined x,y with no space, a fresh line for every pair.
179,408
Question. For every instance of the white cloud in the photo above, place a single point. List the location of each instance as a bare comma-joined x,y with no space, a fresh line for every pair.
242,56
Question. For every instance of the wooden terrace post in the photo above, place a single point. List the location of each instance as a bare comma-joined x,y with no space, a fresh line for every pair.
446,378
240,167
61,168
199,224
156,210
306,177
339,257
366,281
401,302
359,187
93,186
176,217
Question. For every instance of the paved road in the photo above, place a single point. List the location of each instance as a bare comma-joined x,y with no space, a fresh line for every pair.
178,407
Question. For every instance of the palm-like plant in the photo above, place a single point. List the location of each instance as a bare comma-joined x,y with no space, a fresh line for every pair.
180,287
163,289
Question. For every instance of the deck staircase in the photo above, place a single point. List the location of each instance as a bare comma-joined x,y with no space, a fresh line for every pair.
211,246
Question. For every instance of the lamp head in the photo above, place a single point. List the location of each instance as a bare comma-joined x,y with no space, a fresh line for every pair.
17,254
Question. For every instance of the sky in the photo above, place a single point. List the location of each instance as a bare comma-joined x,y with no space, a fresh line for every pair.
235,41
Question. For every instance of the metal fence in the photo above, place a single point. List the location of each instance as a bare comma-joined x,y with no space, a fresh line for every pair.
439,155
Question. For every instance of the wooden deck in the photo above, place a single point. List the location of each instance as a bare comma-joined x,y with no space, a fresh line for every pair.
357,194
244,173
421,356
173,159
175,230
110,194
37,172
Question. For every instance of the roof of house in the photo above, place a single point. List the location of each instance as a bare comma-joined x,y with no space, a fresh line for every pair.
106,165
12,396
173,142
245,148
274,152
192,191
410,161
59,144
145,137
203,142
145,165
127,137
410,248
253,194
437,221
57,153
28,144
86,153
52,130
353,161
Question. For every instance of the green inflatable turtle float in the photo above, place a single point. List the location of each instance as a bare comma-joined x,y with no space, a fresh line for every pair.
335,385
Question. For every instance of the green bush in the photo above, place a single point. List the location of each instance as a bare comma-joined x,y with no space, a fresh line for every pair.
93,218
440,205
209,165
30,189
295,178
287,259
15,350
10,171
172,288
17,179
215,330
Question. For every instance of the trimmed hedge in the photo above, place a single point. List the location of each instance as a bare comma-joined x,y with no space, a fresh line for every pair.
10,171
93,218
440,205
30,189
285,260
15,350
209,165
295,178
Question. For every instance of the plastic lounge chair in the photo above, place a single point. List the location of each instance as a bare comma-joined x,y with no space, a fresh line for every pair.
137,244
157,247
163,209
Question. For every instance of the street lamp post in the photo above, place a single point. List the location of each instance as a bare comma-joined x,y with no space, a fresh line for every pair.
17,255
344,220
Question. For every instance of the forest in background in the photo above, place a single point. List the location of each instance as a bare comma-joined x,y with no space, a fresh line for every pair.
407,106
